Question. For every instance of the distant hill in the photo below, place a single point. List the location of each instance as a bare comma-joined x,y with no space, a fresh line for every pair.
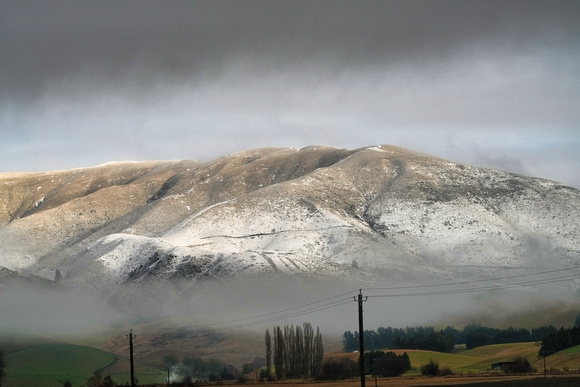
375,213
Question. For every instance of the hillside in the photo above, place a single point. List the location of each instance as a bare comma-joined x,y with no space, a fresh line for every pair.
400,215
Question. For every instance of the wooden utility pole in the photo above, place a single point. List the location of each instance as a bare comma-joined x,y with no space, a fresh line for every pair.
361,343
545,373
131,357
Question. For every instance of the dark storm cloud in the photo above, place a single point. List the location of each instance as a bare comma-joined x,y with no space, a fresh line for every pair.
145,42
89,82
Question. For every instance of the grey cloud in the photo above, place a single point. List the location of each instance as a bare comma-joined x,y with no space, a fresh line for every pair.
85,83
140,42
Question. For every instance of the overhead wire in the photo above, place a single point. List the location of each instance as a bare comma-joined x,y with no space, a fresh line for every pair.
278,315
324,304
284,317
480,289
474,281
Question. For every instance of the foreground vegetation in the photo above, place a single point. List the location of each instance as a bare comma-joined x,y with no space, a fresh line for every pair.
54,364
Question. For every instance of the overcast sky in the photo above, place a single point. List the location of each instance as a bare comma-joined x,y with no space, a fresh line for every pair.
487,83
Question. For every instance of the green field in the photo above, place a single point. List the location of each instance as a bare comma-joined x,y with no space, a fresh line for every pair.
567,359
479,359
53,364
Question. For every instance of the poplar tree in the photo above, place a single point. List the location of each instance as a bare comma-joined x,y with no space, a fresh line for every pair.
279,353
318,353
298,351
308,348
268,352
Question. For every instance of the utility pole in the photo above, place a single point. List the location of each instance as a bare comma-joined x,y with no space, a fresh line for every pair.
545,373
131,357
361,341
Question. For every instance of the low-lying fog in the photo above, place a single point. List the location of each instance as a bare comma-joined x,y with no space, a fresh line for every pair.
261,303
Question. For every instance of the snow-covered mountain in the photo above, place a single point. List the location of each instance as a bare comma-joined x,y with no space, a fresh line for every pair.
379,212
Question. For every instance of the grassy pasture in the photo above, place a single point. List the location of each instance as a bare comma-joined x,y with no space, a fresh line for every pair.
53,364
501,352
479,360
476,360
566,359
571,351
120,371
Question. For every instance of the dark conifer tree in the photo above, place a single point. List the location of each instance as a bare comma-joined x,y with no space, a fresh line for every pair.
2,368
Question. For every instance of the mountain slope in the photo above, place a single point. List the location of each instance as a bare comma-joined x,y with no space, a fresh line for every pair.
397,214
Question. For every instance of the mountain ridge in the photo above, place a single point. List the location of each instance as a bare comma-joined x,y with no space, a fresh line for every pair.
373,213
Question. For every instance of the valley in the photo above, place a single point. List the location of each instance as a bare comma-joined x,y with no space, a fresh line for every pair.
199,258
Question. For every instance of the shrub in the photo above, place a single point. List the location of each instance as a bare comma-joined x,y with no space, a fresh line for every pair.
446,371
339,368
430,369
518,365
387,364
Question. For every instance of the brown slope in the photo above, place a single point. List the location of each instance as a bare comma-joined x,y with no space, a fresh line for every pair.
420,210
46,213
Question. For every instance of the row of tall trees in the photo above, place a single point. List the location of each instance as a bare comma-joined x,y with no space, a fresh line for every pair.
296,351
427,338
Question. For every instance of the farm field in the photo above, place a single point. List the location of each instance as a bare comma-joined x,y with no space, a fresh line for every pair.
53,364
479,360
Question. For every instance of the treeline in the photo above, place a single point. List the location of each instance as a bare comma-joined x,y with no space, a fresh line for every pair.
475,335
427,338
561,339
296,352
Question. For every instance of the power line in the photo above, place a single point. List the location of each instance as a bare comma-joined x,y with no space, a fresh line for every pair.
278,315
481,289
324,304
472,282
284,317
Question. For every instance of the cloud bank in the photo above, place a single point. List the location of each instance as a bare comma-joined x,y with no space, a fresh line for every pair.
490,83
